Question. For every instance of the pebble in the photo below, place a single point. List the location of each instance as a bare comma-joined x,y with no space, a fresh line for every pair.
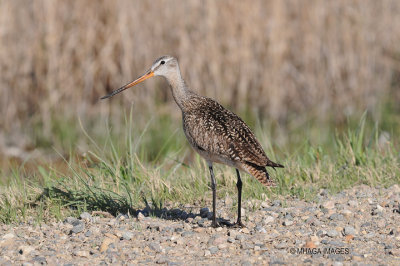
349,230
213,250
140,216
287,222
88,233
246,246
86,216
245,230
40,260
187,233
71,220
329,204
156,247
352,203
81,253
332,233
25,250
127,235
276,203
78,227
204,212
171,240
268,219
281,245
336,217
260,229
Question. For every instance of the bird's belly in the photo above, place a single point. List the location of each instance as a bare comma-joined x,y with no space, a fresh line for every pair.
215,158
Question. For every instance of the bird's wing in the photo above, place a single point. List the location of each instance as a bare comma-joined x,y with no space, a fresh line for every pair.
211,127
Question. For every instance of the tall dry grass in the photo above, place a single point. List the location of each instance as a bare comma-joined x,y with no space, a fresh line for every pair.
320,58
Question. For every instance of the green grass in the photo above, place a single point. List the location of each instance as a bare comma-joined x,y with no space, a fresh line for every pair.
150,165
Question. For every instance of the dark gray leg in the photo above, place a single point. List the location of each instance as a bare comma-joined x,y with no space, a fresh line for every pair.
239,187
214,191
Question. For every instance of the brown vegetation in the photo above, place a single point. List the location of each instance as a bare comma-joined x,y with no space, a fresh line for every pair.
326,58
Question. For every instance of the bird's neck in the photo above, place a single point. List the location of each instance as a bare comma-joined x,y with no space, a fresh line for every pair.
180,90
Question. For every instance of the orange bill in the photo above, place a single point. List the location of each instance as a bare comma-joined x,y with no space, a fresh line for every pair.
133,83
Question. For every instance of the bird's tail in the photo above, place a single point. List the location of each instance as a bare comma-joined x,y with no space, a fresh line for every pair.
260,173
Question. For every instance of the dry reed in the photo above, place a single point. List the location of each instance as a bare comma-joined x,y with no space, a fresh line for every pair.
326,58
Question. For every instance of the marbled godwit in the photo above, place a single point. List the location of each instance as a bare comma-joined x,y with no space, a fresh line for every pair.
217,134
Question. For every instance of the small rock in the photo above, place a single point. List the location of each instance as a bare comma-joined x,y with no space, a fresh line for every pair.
233,233
40,260
218,240
349,230
81,253
268,219
336,217
352,203
231,240
276,203
315,239
332,233
156,247
213,250
329,204
264,204
260,229
310,244
245,231
346,213
246,246
71,220
88,233
204,212
78,227
245,263
122,217
287,222
281,245
127,235
207,253
162,260
140,216
25,250
240,237
106,242
370,235
86,216
187,233
8,236
349,238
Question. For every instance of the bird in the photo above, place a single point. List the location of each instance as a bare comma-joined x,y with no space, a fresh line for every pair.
217,134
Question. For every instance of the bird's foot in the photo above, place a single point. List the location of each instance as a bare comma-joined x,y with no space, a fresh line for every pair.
220,223
238,224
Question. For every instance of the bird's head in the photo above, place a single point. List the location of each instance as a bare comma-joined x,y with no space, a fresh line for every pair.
164,66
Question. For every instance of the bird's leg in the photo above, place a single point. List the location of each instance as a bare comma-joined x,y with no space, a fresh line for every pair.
239,187
214,191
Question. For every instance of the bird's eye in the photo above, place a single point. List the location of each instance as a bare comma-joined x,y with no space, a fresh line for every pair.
162,62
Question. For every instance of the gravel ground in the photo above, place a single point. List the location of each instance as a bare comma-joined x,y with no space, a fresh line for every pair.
356,226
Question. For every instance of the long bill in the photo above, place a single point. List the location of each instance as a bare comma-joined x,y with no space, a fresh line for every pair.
133,83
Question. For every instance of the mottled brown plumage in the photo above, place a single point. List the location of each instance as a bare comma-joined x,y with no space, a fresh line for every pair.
221,136
217,134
